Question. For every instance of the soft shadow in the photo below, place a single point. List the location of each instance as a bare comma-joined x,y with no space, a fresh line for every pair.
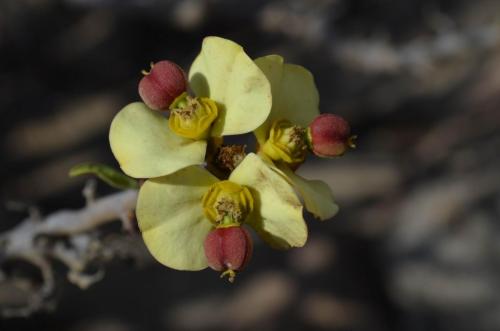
200,84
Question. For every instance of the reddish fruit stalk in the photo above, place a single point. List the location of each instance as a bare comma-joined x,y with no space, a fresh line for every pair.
165,82
228,249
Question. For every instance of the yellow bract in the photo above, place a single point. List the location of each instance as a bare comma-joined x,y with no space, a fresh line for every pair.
227,203
145,147
317,195
192,117
286,143
278,212
170,216
224,73
295,96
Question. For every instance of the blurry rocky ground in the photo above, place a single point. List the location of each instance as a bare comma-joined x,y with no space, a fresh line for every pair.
416,244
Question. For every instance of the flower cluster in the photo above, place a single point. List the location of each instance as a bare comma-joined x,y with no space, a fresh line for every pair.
201,194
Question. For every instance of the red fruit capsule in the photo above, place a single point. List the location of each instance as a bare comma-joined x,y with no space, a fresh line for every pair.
228,249
165,82
329,135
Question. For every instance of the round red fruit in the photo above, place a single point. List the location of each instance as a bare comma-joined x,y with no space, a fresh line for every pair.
228,249
329,135
162,84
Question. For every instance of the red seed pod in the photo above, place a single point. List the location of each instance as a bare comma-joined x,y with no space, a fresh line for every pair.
165,82
329,135
228,249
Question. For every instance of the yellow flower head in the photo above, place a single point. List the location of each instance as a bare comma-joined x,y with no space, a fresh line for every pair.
232,96
182,202
176,212
192,117
286,143
295,96
227,203
295,105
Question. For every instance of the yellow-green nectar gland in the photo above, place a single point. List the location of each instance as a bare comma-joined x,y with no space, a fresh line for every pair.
286,142
191,117
227,204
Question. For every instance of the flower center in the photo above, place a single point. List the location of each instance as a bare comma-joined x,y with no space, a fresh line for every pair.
227,204
228,157
286,142
191,117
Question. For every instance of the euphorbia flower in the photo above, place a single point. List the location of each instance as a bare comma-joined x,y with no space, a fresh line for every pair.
232,96
295,96
286,143
177,212
282,136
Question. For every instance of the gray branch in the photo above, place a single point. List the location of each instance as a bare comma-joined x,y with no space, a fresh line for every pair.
67,236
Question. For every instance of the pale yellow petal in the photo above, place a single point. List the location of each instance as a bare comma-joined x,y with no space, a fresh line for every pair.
170,217
223,72
295,96
278,211
145,147
317,195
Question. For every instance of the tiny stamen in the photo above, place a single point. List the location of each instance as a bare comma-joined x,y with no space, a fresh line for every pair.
227,208
231,275
351,141
147,72
187,111
297,136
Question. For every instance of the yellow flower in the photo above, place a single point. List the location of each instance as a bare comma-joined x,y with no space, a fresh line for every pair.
227,203
233,96
182,202
192,117
295,96
176,212
295,99
286,143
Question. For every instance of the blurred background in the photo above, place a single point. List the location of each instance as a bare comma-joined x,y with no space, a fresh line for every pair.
416,243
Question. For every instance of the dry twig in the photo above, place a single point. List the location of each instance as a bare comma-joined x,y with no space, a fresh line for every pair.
68,236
